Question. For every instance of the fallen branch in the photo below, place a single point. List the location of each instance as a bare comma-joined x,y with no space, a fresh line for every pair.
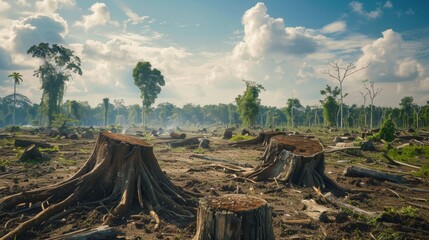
219,160
355,171
408,188
419,205
336,149
397,163
101,232
340,204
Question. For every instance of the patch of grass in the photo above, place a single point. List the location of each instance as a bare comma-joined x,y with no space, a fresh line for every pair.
423,172
4,162
238,137
67,162
50,150
388,234
408,154
199,151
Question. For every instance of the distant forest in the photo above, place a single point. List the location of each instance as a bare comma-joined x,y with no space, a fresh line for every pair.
407,114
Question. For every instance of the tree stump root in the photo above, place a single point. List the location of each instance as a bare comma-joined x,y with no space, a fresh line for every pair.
121,169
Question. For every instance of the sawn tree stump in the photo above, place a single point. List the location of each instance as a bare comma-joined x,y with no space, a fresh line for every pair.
120,171
234,217
293,159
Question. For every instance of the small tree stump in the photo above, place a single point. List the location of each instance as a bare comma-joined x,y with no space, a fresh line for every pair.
294,159
177,135
31,153
204,143
233,217
228,133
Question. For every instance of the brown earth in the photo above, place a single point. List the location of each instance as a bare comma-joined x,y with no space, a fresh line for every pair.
214,178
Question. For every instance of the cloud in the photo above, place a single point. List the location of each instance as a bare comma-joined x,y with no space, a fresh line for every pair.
264,35
51,6
388,4
36,29
357,7
4,6
387,62
133,17
334,27
100,16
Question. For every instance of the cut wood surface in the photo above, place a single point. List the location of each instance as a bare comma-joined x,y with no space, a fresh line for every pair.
120,170
234,217
355,171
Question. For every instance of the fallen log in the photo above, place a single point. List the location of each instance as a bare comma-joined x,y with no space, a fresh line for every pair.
407,187
410,137
262,138
232,217
398,163
332,149
177,135
185,142
26,143
340,204
355,171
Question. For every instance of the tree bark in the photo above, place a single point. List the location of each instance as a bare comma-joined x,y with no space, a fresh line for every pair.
120,170
233,217
296,160
31,153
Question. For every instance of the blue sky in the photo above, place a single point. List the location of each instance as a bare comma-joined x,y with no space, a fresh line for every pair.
204,48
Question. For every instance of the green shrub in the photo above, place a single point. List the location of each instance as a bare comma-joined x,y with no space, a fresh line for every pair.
387,131
236,138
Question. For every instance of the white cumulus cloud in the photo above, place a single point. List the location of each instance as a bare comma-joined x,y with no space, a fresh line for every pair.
358,8
337,26
100,16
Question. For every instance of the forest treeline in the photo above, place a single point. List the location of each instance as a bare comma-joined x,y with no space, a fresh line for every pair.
407,114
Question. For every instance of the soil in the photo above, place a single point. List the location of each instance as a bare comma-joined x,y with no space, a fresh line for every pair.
214,179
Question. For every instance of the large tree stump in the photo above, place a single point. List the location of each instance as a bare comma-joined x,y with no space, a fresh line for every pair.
234,217
262,138
120,171
294,159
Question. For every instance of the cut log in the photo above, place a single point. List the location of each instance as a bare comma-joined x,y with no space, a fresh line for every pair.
185,142
340,204
31,153
177,135
26,143
296,160
219,160
355,171
262,138
410,137
234,217
120,170
101,232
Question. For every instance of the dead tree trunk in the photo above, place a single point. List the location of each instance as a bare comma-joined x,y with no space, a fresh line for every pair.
294,159
233,217
120,170
262,138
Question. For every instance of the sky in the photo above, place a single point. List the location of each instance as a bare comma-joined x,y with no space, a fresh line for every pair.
206,48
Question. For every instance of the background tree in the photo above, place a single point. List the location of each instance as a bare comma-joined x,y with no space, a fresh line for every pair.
293,106
330,105
17,78
340,73
372,92
248,104
106,110
406,106
74,109
58,63
149,81
364,95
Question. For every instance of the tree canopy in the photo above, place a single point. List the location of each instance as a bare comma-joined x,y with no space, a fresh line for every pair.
58,64
248,103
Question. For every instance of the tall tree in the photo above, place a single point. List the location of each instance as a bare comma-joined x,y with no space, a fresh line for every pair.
372,92
74,109
106,110
330,105
340,73
364,95
149,81
406,106
58,64
248,104
17,78
292,106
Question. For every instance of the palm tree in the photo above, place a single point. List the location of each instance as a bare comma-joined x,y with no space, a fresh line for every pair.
17,78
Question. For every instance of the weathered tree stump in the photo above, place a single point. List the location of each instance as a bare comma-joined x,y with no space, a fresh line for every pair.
227,134
177,135
293,159
120,171
31,153
234,217
262,138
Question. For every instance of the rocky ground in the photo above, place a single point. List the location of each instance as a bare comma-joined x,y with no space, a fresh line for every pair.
401,210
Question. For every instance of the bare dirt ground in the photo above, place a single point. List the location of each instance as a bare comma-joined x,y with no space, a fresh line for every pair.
403,209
